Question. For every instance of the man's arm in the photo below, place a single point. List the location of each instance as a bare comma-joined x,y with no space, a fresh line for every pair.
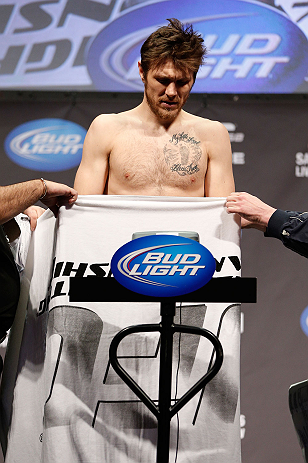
289,227
14,199
92,172
219,179
254,212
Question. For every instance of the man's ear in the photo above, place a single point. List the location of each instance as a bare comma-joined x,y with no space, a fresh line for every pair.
141,73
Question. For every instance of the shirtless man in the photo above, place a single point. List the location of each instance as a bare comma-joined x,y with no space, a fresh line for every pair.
157,148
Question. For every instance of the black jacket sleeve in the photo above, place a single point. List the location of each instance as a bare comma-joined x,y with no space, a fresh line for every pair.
9,286
291,228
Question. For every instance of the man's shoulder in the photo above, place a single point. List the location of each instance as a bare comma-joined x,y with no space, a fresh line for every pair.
112,119
203,120
206,125
102,119
216,127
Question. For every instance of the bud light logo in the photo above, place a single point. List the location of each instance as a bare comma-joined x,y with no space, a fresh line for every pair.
50,145
252,47
163,265
304,321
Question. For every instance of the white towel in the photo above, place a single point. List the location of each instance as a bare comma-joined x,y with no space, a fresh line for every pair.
63,410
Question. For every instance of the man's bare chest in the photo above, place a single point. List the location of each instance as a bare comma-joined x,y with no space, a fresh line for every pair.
174,159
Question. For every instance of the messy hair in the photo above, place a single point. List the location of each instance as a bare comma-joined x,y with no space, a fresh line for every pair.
177,42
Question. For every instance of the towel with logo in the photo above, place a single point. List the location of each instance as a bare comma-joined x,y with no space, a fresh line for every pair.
61,400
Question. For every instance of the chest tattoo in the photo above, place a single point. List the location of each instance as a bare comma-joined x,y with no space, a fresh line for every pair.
182,154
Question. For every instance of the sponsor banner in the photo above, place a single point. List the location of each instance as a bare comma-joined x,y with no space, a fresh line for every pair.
301,164
46,144
304,321
248,43
270,132
252,47
163,265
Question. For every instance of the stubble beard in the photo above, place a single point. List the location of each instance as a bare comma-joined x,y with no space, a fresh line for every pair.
165,114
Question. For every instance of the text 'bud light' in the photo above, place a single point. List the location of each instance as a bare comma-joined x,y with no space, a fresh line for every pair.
49,145
251,46
163,265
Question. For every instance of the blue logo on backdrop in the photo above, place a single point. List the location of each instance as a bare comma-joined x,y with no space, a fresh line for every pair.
46,145
163,265
252,47
304,321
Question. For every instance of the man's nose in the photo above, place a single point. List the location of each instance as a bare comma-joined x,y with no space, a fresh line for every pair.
171,90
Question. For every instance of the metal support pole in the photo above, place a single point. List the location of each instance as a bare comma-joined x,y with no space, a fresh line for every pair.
165,382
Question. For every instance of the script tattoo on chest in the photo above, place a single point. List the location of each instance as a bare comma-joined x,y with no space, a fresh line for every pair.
182,154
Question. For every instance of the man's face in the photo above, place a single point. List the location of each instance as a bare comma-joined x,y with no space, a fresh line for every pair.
167,89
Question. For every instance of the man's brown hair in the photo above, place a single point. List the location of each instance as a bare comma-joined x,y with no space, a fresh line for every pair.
177,42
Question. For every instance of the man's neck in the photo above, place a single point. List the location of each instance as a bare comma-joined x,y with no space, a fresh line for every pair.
150,117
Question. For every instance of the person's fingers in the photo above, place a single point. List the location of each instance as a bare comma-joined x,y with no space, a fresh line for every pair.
33,221
74,195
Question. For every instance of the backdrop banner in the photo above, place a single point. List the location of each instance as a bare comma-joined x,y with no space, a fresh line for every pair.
269,138
68,403
94,45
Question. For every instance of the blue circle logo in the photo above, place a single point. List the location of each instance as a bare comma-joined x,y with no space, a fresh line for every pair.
252,47
163,265
304,321
50,145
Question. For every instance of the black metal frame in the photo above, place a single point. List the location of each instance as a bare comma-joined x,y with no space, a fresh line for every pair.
95,289
164,411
